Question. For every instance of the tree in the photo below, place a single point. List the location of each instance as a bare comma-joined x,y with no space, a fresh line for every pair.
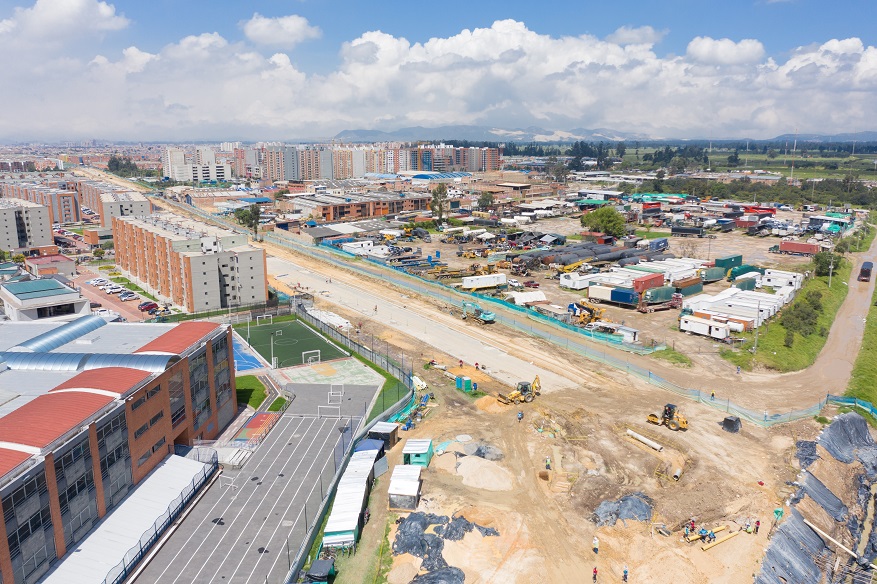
439,202
771,154
560,172
822,262
485,200
99,253
249,218
18,258
606,220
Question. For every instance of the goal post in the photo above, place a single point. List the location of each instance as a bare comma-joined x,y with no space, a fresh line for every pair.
329,411
310,357
260,320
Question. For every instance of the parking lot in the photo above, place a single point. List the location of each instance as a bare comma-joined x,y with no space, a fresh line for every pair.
110,302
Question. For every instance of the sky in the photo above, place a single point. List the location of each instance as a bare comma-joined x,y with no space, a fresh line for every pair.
179,70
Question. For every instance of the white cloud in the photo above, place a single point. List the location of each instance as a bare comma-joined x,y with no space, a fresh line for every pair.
505,75
53,19
282,32
640,35
724,51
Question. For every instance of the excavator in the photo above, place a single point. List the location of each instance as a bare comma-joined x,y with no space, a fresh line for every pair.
585,313
670,417
572,267
479,314
524,392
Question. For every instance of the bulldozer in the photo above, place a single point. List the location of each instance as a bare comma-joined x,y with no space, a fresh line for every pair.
670,417
525,391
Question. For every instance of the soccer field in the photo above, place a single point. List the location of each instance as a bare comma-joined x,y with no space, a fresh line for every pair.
291,339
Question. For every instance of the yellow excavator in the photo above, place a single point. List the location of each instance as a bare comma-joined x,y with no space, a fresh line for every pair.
585,313
572,267
670,417
524,392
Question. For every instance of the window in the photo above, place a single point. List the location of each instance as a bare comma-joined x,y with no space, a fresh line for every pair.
158,445
138,402
155,419
152,392
140,431
144,458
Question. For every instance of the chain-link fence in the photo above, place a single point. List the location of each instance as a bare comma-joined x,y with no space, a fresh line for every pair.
120,572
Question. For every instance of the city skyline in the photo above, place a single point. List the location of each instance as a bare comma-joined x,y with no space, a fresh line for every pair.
301,71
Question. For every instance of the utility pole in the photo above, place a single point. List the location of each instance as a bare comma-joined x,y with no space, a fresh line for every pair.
757,325
830,268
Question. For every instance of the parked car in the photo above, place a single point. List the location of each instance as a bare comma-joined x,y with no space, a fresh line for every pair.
531,284
126,296
95,305
147,306
153,311
114,289
514,283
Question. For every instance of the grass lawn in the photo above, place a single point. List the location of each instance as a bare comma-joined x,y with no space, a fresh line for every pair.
673,356
772,352
277,405
863,382
250,391
133,287
291,339
651,234
391,391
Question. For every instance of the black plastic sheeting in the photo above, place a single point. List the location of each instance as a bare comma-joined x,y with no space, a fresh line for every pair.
790,557
411,538
848,439
636,506
814,488
731,424
806,452
448,575
483,450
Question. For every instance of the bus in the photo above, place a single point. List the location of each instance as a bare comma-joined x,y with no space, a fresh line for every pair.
865,272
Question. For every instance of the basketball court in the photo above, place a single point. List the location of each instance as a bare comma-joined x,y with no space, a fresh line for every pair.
244,359
287,343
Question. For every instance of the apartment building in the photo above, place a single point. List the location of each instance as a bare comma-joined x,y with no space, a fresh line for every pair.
350,206
109,200
24,226
193,265
59,198
210,172
89,409
170,158
247,163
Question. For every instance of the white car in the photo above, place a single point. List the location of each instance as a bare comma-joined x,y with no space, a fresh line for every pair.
514,283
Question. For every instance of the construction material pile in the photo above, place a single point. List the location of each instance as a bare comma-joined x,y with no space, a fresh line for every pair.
636,506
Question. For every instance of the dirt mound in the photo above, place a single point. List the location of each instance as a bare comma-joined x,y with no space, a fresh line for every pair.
484,474
489,404
636,506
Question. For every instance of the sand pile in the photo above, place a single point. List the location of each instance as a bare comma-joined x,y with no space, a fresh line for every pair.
484,474
489,404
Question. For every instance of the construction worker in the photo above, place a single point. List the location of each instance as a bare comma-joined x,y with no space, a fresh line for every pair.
713,396
624,574
596,545
520,416
461,362
476,365
757,525
595,573
547,463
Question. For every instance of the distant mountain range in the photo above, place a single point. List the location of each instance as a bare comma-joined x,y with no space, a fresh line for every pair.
489,134
536,134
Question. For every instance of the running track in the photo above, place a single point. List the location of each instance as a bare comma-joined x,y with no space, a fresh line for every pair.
239,534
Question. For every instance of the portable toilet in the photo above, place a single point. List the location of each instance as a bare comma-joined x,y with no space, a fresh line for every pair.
417,451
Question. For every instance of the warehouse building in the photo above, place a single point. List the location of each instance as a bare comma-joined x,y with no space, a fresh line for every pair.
193,265
351,206
89,409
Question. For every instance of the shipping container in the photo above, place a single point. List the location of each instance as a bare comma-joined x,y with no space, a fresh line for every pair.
713,274
798,248
740,270
598,292
574,281
643,283
728,262
686,282
686,232
659,244
658,295
624,296
484,281
691,290
745,283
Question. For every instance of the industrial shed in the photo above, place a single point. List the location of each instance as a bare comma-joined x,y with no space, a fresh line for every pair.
405,484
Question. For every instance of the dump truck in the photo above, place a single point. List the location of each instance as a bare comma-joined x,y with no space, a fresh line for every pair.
525,391
476,312
670,417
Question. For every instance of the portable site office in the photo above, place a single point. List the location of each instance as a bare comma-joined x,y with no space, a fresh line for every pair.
404,491
417,451
387,432
346,518
369,445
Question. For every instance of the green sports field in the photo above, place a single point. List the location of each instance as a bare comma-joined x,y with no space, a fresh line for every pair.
291,339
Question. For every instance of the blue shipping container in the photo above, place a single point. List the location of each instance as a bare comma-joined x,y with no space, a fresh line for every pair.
624,296
659,244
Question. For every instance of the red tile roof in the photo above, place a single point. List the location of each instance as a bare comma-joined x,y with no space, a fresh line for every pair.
9,459
49,259
41,421
180,338
116,379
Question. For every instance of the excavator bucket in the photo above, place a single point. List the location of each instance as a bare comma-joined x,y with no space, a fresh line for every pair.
503,399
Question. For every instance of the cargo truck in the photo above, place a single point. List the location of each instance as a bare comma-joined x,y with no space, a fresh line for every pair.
798,248
686,231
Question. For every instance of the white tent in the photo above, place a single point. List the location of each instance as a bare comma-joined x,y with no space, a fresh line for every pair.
486,235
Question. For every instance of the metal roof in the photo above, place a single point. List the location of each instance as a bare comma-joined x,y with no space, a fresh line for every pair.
116,379
151,363
85,361
63,334
37,289
179,338
417,446
42,421
10,459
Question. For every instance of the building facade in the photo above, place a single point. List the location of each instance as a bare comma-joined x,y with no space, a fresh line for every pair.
61,201
350,206
24,226
193,265
87,426
109,200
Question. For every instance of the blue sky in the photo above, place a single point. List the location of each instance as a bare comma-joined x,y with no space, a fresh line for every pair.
178,69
